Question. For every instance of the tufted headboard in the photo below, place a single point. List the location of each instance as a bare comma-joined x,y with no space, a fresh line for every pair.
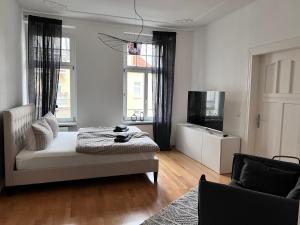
16,122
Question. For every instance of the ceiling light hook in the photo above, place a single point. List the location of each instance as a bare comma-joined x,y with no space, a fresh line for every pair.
141,18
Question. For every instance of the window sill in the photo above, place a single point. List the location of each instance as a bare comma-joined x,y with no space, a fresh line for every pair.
129,122
67,124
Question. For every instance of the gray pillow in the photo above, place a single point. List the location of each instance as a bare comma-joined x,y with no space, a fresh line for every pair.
260,177
53,123
39,136
295,192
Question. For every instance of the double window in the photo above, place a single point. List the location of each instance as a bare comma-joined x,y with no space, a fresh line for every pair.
138,84
66,94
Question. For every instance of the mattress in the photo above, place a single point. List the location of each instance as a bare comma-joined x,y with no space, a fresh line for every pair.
62,153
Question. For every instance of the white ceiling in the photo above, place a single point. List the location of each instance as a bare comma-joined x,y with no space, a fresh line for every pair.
157,13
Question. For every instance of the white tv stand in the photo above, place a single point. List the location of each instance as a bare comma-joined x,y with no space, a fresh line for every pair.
207,146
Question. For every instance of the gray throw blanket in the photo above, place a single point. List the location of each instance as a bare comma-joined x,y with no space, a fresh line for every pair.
101,141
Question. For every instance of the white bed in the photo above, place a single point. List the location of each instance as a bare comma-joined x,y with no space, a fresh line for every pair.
62,153
60,161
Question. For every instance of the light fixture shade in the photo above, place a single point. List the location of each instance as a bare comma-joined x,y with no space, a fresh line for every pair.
121,45
112,42
118,44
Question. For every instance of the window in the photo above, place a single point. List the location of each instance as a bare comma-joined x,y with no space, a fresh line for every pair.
66,97
138,84
66,94
137,89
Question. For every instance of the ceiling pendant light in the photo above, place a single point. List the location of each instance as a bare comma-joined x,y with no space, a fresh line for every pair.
117,44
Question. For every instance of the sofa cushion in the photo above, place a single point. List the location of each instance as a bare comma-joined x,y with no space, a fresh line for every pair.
295,192
259,177
238,163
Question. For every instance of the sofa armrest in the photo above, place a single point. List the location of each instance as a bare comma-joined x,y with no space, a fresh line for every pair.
225,205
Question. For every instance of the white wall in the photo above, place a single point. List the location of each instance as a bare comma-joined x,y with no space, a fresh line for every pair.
10,62
100,74
198,62
182,79
227,42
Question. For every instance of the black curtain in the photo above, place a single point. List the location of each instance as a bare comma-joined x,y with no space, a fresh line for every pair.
163,82
44,55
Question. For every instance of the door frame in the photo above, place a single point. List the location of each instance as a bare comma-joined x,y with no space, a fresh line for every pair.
253,84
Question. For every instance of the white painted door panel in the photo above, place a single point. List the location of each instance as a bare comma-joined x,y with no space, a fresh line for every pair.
278,131
268,134
290,141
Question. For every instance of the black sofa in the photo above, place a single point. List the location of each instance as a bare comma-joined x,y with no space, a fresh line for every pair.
233,204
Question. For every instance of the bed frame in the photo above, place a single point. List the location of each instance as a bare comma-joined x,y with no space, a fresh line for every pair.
16,123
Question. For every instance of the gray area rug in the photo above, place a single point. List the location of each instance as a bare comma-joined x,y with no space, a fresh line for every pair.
183,211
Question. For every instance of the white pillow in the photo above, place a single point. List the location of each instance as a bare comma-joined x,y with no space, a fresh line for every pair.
39,136
53,123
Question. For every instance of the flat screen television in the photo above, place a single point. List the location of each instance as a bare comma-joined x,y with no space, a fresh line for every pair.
206,108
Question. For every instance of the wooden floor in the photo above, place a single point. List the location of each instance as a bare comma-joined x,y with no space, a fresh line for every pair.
117,200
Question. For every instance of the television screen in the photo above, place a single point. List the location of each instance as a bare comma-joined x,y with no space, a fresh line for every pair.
206,108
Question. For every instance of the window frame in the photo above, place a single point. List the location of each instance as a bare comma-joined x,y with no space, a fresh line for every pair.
73,77
146,71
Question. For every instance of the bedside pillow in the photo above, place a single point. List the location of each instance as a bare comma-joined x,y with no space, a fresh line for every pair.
39,136
53,123
30,139
295,192
260,177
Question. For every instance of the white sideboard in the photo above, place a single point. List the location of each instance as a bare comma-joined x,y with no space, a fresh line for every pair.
209,148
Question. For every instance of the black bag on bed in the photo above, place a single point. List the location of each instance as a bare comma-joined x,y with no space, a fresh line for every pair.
121,128
122,138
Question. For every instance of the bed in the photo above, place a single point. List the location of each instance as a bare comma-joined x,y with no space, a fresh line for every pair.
60,161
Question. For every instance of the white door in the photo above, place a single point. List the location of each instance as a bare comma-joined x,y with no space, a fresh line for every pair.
278,120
